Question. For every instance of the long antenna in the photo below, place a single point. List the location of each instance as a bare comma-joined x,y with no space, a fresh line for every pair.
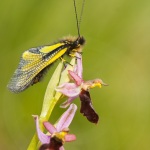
76,17
78,21
83,3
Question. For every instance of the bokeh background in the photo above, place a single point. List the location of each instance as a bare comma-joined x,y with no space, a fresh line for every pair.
117,51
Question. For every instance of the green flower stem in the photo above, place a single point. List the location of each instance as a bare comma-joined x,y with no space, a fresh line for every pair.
51,97
48,103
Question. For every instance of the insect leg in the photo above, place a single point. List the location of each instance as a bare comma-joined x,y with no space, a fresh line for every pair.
65,62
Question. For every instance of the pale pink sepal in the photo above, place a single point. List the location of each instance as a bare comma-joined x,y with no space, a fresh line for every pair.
69,89
45,139
79,65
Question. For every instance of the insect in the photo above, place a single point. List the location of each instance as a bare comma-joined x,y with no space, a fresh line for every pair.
35,61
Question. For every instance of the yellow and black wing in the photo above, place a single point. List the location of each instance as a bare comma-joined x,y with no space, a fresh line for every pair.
32,65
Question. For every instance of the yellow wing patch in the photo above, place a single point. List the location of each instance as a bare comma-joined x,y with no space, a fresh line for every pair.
47,49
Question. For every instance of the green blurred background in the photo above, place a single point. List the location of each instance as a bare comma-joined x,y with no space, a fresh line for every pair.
117,51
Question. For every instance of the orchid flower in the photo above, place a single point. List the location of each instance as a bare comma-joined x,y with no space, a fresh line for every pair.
58,134
80,88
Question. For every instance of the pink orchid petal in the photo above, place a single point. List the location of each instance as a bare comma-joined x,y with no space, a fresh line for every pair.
69,89
45,139
79,65
70,137
68,102
61,148
75,77
65,104
50,128
66,118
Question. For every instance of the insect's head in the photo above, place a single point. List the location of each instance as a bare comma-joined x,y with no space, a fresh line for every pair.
77,44
80,41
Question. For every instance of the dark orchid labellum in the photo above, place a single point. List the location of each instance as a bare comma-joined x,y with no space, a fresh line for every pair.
86,107
53,145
